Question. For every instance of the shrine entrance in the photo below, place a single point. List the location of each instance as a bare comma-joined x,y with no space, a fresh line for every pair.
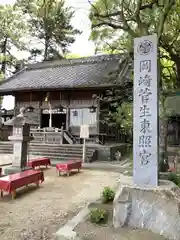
58,118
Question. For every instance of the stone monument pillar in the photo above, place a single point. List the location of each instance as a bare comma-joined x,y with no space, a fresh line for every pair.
20,138
144,201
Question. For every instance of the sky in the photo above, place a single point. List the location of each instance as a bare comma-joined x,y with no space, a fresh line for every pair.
82,45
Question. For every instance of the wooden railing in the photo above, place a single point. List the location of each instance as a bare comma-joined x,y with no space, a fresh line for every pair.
48,135
59,136
53,135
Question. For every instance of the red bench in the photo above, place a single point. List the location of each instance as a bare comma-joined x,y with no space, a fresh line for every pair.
14,181
67,167
37,162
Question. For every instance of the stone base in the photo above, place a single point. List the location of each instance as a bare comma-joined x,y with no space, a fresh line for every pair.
12,169
153,208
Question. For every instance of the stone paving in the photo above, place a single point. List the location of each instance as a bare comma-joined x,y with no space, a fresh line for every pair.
114,166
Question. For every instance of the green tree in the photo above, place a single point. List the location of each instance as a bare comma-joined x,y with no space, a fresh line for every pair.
116,23
123,116
13,28
50,22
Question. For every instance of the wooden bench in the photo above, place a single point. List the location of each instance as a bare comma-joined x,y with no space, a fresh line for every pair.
12,182
68,166
37,162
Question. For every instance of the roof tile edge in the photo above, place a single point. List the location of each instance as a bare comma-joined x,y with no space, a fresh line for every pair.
13,76
75,61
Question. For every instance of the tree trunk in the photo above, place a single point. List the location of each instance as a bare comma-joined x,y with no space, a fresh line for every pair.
4,49
176,60
178,73
163,135
46,48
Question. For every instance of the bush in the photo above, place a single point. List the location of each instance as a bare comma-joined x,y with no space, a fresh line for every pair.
98,215
174,178
108,195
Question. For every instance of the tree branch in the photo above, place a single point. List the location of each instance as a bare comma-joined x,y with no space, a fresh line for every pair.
137,12
149,5
108,24
114,14
142,26
169,4
124,21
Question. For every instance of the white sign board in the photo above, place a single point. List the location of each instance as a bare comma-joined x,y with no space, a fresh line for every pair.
54,111
84,131
145,112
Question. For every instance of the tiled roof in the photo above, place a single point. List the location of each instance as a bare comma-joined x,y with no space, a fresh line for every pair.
74,73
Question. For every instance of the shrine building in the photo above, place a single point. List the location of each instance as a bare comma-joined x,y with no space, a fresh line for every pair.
71,89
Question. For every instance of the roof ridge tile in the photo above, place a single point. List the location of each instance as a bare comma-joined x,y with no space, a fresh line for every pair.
74,61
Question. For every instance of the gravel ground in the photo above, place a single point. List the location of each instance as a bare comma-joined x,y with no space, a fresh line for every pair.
38,213
89,231
106,232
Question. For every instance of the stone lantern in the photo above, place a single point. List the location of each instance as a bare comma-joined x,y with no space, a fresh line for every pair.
20,138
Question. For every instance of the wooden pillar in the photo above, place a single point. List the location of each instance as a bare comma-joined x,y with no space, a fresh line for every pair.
61,135
67,118
68,112
98,119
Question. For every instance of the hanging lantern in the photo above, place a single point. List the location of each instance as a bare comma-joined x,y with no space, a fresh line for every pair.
92,109
47,97
29,109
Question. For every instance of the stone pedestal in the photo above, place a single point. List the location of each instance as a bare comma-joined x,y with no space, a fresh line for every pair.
154,208
20,138
20,151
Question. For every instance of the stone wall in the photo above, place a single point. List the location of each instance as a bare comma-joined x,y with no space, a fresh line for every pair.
107,153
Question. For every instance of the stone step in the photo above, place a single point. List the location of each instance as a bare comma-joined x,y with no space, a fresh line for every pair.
69,151
6,151
58,158
90,152
59,154
63,159
6,146
48,148
60,151
65,148
45,146
53,151
5,142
